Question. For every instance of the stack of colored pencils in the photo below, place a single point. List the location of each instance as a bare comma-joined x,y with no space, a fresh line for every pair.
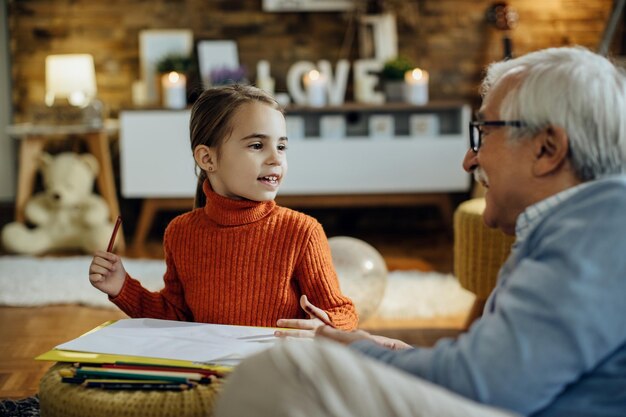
131,376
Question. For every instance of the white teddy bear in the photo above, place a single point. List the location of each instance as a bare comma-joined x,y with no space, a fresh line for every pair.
67,215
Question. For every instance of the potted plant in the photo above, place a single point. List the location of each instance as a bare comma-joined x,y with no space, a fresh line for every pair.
178,63
392,77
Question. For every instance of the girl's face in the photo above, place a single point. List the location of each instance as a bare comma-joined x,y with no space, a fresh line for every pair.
253,159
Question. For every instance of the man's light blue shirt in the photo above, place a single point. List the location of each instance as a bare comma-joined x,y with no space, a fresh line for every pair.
552,339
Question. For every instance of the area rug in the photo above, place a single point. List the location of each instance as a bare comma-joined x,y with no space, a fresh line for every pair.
26,407
27,282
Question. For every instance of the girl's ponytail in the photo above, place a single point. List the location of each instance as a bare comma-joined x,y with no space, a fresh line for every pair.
200,199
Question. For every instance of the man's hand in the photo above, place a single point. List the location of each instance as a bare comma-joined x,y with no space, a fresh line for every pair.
303,327
107,273
347,338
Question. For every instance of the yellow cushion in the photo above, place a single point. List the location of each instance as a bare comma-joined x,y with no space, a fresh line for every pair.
479,251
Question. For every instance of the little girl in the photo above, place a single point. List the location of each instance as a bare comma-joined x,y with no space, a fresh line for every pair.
237,258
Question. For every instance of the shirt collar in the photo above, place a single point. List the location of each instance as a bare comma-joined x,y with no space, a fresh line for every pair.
534,213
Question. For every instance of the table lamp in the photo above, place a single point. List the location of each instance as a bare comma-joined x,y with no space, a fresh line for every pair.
70,91
70,77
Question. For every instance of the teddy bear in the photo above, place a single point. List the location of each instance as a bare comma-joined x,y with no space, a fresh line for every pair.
66,215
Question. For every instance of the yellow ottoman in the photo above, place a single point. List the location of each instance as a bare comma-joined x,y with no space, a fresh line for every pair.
59,399
479,252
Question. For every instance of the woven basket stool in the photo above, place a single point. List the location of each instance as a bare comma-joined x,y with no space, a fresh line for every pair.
479,252
61,399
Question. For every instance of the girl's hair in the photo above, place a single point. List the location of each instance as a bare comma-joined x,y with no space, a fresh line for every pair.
211,116
577,90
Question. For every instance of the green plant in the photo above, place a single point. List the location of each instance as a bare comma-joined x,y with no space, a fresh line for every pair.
395,68
178,63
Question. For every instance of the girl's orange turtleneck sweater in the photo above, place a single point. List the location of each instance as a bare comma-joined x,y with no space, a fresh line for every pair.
241,262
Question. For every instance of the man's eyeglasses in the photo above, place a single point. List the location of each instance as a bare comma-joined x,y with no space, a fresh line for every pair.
476,132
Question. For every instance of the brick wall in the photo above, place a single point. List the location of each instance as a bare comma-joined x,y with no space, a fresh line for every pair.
450,38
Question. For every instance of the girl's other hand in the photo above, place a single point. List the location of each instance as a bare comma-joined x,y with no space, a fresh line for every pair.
107,273
303,327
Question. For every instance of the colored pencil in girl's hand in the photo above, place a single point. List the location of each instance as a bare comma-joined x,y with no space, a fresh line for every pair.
118,222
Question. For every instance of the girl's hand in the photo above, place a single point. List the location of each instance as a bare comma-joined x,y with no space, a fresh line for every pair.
107,273
303,327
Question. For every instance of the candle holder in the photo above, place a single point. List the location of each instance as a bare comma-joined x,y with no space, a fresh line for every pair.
315,86
180,65
174,89
416,86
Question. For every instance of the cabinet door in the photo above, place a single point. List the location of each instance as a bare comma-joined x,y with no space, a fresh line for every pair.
155,154
362,166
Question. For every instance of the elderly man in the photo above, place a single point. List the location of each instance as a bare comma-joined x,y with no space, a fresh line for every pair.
549,145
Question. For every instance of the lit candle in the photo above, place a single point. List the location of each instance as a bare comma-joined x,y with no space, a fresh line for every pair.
315,84
263,79
416,86
174,90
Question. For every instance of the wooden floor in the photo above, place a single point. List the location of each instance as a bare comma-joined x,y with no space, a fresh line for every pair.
28,332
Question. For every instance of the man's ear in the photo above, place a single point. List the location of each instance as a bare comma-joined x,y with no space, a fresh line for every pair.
551,150
205,157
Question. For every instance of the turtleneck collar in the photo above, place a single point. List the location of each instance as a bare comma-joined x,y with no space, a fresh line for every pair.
228,212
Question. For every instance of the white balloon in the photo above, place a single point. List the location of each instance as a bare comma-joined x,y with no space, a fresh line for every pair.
362,273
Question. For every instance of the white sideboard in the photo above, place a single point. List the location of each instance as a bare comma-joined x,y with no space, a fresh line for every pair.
156,159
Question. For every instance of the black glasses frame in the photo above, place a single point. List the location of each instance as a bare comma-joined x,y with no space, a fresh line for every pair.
476,133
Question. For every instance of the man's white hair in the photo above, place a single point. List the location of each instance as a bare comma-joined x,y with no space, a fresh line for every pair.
577,90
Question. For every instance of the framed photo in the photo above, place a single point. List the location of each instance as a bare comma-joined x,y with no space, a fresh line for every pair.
423,125
381,126
332,127
155,45
307,5
215,54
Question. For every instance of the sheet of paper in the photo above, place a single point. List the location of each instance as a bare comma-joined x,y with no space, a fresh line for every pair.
197,342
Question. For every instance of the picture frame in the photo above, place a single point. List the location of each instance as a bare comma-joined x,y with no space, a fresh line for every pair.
308,5
423,125
295,127
381,126
213,54
332,127
154,45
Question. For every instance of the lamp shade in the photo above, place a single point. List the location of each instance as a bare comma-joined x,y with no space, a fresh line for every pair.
71,77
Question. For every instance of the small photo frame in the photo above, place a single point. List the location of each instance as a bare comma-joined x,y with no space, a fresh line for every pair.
381,126
295,127
215,54
332,127
423,125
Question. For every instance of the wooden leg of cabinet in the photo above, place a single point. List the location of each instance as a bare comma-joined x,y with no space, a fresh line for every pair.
146,217
148,211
